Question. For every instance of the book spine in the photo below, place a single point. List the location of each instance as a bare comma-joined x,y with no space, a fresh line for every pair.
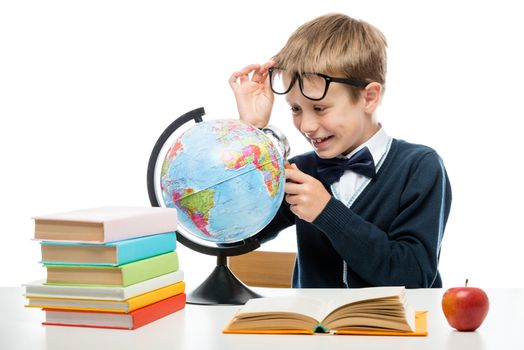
145,269
155,296
140,225
145,247
122,307
140,317
39,289
158,310
154,283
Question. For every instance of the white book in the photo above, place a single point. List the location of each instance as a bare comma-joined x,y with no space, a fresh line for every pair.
105,224
40,289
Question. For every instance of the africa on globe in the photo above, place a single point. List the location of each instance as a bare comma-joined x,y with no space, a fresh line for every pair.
225,177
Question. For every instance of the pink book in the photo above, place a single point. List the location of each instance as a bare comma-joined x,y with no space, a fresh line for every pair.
105,224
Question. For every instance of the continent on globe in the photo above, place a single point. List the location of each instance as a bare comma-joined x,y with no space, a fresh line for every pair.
196,207
263,160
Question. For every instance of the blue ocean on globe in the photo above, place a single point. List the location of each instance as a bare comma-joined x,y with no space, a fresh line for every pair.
225,177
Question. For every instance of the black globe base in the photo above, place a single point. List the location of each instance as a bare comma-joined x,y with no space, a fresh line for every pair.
221,287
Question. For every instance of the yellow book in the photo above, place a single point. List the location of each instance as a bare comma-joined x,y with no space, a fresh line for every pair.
122,306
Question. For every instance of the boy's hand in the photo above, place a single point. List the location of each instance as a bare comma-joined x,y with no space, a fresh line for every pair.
253,94
305,194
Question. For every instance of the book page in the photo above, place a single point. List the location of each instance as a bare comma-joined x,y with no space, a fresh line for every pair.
349,296
296,304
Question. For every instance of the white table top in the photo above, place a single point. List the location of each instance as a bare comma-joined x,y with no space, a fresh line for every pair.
200,327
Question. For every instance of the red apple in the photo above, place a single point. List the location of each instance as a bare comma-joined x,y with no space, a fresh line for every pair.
465,307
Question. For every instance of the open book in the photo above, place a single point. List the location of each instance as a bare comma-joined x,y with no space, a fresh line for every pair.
373,311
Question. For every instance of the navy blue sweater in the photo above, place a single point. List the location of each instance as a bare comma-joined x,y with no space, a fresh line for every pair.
391,234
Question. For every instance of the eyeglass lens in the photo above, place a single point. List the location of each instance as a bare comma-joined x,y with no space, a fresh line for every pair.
280,81
312,85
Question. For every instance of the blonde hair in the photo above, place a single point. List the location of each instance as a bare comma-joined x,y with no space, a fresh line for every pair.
336,44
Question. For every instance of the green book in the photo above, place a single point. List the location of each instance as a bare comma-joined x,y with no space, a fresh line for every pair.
122,276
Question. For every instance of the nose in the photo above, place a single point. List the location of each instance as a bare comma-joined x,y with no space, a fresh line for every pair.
308,123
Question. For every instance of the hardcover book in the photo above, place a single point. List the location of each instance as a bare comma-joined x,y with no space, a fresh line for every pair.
123,275
131,320
105,224
113,253
122,306
40,289
371,311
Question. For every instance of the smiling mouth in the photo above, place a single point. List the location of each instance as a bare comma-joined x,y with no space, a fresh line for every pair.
319,141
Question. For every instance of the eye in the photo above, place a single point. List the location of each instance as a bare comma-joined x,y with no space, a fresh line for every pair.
295,109
319,109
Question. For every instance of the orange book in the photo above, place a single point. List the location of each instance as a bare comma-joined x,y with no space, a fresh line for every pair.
131,320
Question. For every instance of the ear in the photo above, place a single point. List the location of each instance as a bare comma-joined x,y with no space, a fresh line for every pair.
372,94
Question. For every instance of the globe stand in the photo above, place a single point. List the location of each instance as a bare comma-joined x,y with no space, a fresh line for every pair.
221,286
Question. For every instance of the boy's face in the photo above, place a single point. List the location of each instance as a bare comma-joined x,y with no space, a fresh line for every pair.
334,125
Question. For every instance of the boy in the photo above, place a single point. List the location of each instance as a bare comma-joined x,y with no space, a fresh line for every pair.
379,218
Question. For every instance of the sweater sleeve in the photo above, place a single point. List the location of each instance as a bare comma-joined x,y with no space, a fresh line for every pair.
407,254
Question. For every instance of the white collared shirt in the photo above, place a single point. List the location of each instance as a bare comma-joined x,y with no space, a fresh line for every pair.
352,183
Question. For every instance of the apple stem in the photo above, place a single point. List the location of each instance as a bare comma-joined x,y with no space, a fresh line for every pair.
466,282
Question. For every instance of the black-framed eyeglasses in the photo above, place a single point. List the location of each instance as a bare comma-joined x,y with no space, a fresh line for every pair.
313,86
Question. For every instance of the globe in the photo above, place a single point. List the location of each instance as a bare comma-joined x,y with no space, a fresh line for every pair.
225,177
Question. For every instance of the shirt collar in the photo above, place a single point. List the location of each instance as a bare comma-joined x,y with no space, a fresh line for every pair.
377,145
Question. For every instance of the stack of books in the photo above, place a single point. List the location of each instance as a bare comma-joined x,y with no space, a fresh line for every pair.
108,267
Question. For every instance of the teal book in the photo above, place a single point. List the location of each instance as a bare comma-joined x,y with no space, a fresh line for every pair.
121,276
109,254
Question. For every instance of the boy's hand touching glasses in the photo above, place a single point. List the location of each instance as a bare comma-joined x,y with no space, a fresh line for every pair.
253,93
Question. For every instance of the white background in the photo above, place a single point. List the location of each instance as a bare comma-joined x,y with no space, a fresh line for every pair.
86,88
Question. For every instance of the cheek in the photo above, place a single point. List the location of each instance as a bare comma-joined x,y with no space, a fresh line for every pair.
296,122
337,124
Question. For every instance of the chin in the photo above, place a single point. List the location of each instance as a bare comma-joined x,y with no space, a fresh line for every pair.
328,151
326,154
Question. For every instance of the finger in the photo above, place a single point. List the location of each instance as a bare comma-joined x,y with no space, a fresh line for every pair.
288,165
292,199
295,209
267,85
236,79
295,175
292,188
264,68
243,78
268,65
249,68
259,75
244,71
233,80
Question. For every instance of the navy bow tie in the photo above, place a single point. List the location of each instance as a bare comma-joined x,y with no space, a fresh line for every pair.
330,170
